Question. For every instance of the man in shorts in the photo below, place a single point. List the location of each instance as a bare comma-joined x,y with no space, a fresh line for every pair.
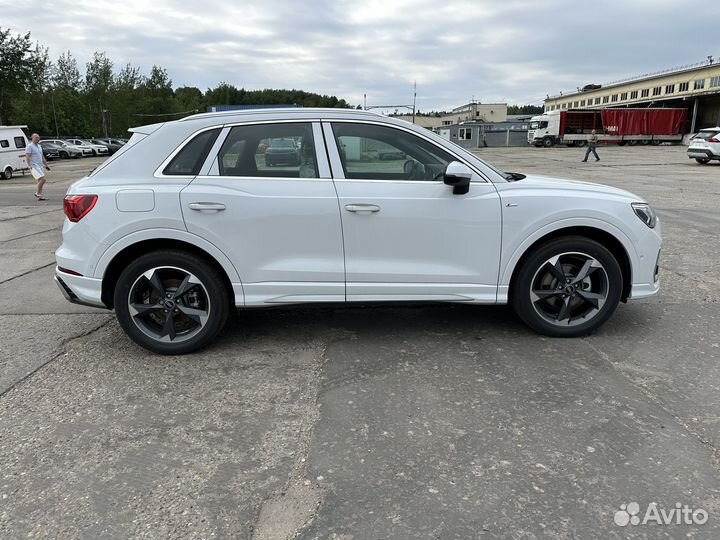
36,163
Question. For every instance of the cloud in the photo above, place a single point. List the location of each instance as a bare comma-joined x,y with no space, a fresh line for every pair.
515,51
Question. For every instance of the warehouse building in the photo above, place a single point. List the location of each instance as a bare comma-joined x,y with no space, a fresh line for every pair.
695,87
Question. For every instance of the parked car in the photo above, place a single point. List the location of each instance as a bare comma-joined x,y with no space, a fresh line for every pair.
148,231
50,152
282,152
97,149
12,150
113,145
64,149
705,146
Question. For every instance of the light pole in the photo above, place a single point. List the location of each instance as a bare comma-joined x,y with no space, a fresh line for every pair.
104,122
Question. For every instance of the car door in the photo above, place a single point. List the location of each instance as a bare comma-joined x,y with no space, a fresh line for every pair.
279,224
406,235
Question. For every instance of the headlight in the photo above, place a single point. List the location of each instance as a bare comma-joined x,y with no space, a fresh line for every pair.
645,212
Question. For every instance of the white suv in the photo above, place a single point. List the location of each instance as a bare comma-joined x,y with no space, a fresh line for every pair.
705,146
189,220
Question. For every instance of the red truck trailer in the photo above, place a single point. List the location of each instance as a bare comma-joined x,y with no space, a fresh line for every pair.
622,126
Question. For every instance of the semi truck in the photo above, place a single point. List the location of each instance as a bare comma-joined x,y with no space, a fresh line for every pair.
622,126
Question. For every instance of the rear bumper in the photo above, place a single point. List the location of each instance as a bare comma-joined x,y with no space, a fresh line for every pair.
80,289
695,153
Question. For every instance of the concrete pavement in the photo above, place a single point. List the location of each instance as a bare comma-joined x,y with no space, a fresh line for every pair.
383,422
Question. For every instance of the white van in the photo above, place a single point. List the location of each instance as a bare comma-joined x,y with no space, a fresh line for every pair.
12,150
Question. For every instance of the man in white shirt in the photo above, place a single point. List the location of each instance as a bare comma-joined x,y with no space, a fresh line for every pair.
36,163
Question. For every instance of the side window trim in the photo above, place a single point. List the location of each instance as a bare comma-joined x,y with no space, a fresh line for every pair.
337,168
211,159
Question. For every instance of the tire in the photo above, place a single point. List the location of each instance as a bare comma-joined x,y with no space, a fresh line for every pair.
548,142
63,155
580,305
581,144
7,173
702,161
146,294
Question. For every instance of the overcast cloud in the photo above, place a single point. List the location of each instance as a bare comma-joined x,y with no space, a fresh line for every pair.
513,50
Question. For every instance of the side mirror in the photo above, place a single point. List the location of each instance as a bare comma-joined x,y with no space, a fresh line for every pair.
458,176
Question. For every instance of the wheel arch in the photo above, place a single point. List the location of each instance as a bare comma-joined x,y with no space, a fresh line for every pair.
134,250
601,236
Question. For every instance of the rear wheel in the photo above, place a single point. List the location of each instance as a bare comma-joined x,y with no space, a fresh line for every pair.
702,161
7,173
171,302
567,287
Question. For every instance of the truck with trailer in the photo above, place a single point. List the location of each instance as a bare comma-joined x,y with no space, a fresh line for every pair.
573,127
13,142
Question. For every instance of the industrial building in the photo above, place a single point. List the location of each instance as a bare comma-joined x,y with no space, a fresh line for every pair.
511,132
695,87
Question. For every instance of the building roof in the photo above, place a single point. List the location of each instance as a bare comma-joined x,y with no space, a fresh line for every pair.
640,78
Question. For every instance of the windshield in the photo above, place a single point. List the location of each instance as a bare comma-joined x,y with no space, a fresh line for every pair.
538,125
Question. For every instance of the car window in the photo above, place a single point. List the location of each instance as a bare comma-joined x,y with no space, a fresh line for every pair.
20,142
4,143
269,150
189,160
374,152
705,135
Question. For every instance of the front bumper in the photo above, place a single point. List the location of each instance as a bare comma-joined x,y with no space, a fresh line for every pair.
646,278
80,289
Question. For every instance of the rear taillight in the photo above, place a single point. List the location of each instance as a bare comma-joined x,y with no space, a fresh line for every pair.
78,206
713,140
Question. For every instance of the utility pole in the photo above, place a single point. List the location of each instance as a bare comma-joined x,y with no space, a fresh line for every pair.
414,98
52,98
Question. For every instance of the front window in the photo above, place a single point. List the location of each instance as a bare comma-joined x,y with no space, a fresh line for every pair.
374,152
538,125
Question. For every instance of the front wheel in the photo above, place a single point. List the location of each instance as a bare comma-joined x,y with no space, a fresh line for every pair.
7,173
702,161
171,302
567,287
547,142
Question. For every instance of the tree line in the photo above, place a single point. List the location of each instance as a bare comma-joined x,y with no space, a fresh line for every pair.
54,97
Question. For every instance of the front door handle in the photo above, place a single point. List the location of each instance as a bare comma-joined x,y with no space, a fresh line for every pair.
362,208
206,206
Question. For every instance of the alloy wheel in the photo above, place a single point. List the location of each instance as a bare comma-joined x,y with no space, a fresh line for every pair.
569,289
169,304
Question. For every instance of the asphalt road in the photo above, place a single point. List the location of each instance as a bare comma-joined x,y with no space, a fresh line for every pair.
388,422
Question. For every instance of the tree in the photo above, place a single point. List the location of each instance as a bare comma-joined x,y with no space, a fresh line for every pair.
18,63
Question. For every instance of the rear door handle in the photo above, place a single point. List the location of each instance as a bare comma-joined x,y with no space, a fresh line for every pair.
206,206
362,208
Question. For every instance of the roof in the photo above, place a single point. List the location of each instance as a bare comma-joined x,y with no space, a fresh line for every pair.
298,112
12,127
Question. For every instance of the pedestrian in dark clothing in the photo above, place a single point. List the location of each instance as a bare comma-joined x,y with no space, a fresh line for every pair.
592,145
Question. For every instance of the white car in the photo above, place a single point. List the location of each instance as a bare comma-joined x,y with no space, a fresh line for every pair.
97,149
705,146
85,151
187,221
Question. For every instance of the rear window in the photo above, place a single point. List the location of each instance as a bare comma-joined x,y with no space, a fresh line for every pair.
189,160
705,135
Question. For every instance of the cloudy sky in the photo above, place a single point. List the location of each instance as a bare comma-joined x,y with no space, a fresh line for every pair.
513,51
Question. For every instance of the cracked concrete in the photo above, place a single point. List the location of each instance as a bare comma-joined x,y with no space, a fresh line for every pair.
372,422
